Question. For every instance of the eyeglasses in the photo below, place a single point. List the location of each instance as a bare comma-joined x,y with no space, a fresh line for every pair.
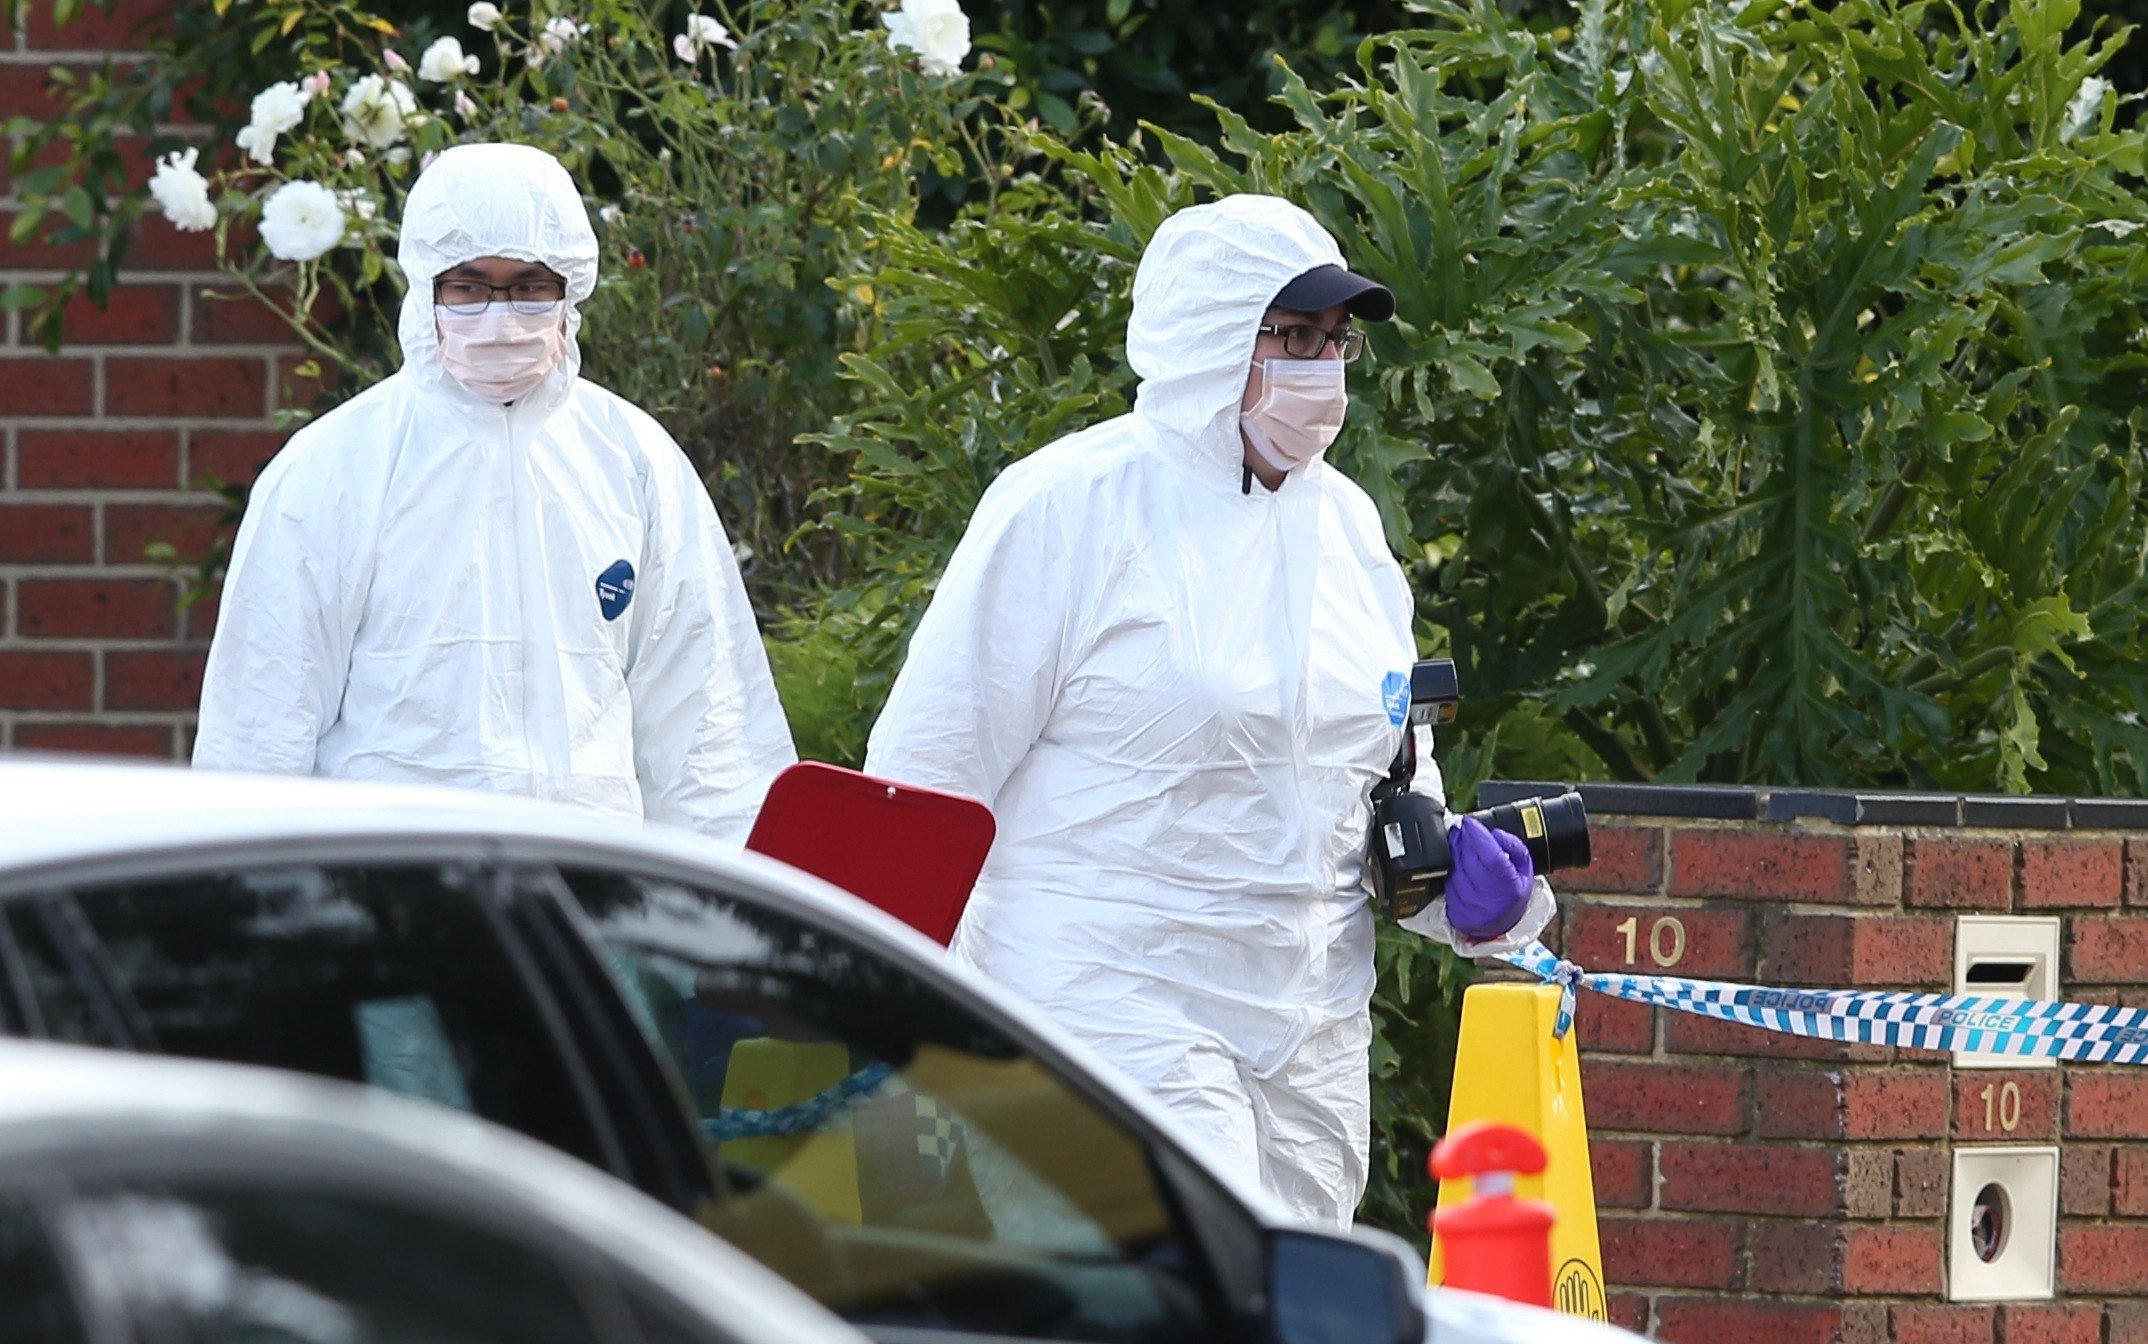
470,297
1306,341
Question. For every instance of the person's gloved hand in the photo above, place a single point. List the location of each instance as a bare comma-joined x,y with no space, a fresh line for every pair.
1488,886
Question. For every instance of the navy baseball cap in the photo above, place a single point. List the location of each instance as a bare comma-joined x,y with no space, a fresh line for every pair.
1326,286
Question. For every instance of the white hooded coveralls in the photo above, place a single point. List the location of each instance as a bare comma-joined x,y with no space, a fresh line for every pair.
534,598
1176,696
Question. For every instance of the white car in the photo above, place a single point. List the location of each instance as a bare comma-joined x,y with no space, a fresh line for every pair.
805,1076
152,1199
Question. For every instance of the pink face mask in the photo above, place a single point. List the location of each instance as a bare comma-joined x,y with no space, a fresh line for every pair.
501,354
1299,411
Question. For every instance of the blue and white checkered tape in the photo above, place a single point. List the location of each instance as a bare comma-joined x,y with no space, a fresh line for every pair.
2030,1028
810,1116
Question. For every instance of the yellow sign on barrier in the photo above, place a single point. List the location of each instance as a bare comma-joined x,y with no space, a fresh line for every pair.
1508,1067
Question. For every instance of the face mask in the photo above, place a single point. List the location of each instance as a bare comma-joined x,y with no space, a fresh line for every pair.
1299,411
501,354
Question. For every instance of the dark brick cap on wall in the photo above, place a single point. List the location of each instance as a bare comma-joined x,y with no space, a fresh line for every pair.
1845,807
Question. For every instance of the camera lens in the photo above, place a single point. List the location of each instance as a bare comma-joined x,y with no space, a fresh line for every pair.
1556,830
1566,831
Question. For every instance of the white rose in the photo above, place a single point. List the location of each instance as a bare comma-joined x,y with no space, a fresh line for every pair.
444,62
682,47
181,193
465,105
608,215
482,16
260,145
704,31
276,109
937,30
357,201
375,109
559,32
301,221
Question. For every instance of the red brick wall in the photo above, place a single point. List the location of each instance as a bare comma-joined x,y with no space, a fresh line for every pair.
1755,1186
101,448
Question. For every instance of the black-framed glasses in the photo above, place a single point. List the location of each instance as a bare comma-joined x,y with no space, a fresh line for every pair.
471,297
1303,340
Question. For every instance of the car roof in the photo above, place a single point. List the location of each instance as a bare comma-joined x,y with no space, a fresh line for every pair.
59,1097
57,810
68,807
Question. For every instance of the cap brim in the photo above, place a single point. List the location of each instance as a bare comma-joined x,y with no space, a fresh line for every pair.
1326,286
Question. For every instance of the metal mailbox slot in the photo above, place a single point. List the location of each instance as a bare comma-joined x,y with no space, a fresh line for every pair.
2007,957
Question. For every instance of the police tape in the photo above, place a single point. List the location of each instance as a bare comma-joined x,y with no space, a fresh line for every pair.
2029,1028
810,1116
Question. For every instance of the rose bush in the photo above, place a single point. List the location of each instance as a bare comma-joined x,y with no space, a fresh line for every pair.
736,176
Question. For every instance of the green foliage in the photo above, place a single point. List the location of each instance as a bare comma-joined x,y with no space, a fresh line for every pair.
747,203
1139,60
1019,319
737,194
1762,403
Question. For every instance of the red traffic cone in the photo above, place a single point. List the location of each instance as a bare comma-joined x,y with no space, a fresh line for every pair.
1493,1242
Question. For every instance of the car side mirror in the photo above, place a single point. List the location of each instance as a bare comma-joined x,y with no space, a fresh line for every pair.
1364,1287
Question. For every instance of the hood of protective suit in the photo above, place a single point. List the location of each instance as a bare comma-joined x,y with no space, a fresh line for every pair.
1205,281
492,201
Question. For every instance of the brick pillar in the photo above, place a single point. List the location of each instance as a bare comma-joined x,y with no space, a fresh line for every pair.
1757,1186
103,447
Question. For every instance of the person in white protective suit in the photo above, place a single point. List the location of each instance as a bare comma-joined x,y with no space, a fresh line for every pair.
1167,653
484,571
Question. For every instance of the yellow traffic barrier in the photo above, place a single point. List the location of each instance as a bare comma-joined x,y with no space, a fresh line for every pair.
1508,1067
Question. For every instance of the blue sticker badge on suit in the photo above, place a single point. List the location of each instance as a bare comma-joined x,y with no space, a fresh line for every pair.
1395,694
615,588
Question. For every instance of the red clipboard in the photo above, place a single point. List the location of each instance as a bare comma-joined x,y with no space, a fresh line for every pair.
913,852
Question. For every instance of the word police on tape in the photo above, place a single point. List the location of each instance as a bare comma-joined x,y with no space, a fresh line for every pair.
2029,1028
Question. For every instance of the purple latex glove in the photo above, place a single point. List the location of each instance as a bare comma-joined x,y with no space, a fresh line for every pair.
1488,887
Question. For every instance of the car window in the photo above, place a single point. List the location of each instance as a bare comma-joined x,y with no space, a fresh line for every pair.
905,1160
388,975
36,1306
52,978
238,1264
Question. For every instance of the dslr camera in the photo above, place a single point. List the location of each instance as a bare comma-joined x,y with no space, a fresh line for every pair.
1407,851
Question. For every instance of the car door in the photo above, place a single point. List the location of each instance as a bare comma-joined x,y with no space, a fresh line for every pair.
883,1143
378,965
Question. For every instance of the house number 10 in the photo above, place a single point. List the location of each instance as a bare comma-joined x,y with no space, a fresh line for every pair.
1666,939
